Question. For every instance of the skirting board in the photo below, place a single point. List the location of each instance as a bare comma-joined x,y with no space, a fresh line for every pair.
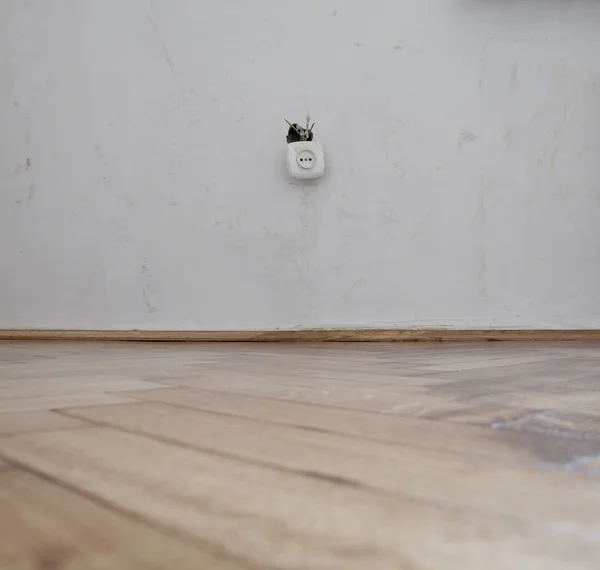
313,335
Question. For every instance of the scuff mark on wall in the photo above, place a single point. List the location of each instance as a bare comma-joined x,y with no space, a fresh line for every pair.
151,308
508,136
165,51
467,136
483,61
479,223
122,231
353,286
513,83
397,168
420,226
558,135
147,287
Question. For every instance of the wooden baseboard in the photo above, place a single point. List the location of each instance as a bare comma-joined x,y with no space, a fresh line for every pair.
314,335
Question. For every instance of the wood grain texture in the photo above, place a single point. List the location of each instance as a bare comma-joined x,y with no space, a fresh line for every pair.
433,476
45,527
313,523
508,445
424,456
313,335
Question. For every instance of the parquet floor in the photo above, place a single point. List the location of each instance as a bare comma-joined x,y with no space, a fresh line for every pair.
299,457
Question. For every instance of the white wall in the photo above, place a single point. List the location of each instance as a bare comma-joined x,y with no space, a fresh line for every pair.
143,183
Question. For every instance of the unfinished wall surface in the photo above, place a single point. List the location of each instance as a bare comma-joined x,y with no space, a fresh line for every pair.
143,181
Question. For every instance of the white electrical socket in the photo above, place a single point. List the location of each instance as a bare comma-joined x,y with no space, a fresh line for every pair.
305,160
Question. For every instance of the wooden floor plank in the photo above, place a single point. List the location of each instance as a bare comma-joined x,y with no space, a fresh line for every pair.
40,420
436,476
292,521
499,445
31,403
376,398
408,395
45,527
564,424
37,389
